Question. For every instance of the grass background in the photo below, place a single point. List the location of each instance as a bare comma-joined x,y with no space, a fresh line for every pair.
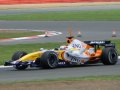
86,78
6,51
96,15
15,34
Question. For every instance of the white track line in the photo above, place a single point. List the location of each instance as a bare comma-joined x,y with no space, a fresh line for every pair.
2,66
49,33
118,57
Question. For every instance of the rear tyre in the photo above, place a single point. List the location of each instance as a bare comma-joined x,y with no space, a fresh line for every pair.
49,59
17,55
109,56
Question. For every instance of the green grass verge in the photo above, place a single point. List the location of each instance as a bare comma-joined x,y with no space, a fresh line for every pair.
6,51
101,15
103,77
15,34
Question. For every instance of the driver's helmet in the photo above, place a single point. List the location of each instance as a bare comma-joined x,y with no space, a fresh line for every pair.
69,39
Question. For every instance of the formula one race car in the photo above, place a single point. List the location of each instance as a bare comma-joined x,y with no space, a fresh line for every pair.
94,51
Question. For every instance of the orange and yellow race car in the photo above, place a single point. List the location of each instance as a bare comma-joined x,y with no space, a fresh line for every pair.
75,52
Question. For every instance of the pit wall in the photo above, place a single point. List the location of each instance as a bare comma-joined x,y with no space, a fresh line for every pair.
50,1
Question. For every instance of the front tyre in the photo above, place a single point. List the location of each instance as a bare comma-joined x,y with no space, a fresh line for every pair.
20,66
17,55
49,59
109,56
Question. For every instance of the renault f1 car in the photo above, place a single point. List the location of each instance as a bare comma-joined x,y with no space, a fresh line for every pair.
105,52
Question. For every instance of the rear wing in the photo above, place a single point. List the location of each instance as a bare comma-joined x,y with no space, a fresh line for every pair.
105,43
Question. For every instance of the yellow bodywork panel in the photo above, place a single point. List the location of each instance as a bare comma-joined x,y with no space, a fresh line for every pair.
60,54
33,56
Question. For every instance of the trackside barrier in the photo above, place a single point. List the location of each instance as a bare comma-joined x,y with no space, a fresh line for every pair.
50,1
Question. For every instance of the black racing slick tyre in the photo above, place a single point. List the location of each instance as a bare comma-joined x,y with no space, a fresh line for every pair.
49,59
17,55
20,66
109,56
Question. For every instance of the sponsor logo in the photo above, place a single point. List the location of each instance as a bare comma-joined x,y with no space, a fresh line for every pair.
73,59
76,46
61,63
97,42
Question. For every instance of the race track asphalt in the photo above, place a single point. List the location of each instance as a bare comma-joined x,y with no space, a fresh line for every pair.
12,75
98,30
91,30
